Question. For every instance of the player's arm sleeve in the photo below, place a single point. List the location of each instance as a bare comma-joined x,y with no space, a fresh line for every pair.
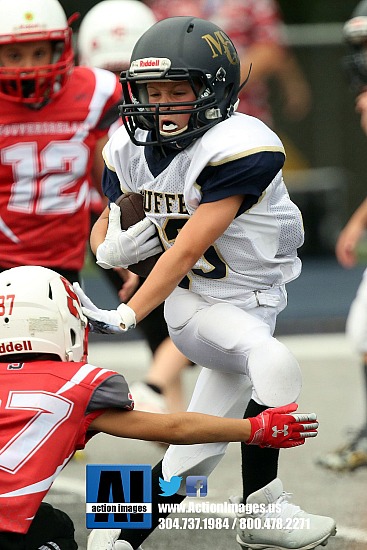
113,392
248,176
113,180
110,184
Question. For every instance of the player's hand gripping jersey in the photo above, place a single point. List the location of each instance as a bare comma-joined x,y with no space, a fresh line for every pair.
45,166
239,156
46,408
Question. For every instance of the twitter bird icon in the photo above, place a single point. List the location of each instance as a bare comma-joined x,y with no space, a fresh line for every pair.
170,487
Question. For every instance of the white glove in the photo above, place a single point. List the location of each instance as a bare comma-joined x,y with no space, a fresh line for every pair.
104,321
123,248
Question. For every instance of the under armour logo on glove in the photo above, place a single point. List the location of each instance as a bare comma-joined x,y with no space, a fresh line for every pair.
282,427
276,431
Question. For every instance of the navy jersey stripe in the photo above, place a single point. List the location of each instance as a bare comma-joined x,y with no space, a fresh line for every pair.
110,185
248,176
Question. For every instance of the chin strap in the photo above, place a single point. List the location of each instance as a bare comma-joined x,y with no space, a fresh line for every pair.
233,108
246,79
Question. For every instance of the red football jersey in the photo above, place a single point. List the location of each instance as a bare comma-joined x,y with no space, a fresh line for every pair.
45,164
45,410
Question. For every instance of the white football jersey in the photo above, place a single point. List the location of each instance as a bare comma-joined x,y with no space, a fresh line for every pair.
241,155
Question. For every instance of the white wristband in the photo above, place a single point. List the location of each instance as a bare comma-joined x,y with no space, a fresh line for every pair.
128,318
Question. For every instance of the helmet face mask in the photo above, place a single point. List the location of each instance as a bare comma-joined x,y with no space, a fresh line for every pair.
40,314
149,113
355,66
181,49
44,21
34,85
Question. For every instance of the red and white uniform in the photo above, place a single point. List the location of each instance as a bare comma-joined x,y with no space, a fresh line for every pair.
45,410
45,165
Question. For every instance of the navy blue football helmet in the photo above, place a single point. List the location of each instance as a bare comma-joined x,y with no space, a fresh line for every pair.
177,49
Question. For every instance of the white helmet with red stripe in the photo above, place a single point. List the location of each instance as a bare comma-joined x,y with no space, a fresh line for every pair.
40,313
109,31
34,21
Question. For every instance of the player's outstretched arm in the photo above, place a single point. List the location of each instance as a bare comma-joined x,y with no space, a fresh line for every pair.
277,427
105,321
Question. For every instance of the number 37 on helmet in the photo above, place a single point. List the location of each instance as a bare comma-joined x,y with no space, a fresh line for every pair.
40,313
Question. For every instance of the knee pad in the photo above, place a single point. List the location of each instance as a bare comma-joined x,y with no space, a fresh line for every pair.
275,374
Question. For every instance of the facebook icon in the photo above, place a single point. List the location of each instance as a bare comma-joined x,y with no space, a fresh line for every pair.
196,486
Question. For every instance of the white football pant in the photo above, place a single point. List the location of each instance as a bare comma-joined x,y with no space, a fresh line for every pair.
241,360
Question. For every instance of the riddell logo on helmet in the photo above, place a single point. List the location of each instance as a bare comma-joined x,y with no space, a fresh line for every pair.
145,64
149,62
11,347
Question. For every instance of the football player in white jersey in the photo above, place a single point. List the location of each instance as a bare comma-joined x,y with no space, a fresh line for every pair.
52,401
213,189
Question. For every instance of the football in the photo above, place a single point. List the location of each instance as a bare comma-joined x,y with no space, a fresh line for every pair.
132,211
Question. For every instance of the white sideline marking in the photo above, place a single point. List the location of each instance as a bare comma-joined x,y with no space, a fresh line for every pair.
77,487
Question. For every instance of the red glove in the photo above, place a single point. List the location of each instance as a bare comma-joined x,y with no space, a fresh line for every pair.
278,428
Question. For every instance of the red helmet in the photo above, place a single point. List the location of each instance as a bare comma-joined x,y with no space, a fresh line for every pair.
35,21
